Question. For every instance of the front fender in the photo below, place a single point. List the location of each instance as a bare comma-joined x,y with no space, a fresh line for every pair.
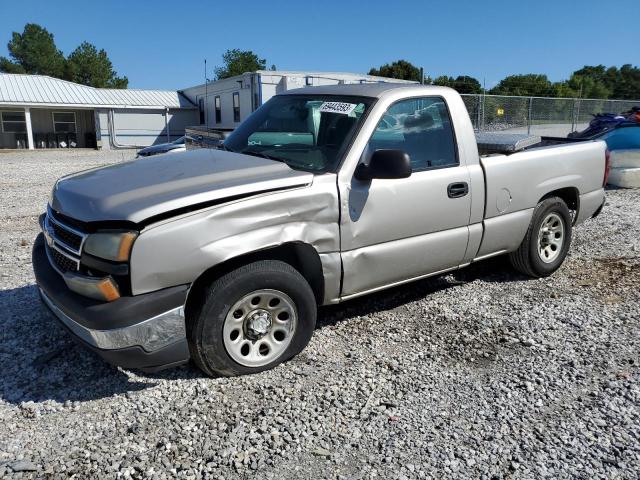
179,250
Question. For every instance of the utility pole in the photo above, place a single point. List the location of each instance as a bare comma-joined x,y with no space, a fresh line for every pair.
206,117
577,110
422,75
484,94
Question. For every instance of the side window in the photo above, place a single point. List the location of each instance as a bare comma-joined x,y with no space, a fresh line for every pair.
236,107
64,122
201,110
422,128
218,108
14,122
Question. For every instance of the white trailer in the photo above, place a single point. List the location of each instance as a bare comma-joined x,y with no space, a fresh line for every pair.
223,104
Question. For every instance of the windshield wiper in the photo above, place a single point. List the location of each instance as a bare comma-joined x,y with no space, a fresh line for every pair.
222,146
255,153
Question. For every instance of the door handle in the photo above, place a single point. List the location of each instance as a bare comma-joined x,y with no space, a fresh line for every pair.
457,189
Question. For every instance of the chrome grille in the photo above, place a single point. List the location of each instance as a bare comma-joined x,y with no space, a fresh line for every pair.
60,261
67,237
64,244
63,235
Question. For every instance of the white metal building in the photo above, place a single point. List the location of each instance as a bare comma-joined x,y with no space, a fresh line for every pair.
225,103
38,111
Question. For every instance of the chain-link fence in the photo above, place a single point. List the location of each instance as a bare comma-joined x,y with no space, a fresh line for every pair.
554,117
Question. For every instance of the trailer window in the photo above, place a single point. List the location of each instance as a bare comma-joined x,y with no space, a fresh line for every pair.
14,122
309,132
218,108
236,107
422,128
201,110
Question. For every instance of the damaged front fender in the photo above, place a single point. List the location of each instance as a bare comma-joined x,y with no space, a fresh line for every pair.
179,250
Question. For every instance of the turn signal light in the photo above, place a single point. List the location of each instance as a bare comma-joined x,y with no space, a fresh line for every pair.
104,289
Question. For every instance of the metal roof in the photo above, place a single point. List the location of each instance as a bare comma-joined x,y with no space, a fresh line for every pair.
41,90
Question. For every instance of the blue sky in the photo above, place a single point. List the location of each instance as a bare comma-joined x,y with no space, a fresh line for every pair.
162,44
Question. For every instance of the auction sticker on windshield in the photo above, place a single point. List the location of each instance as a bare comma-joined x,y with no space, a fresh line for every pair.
338,107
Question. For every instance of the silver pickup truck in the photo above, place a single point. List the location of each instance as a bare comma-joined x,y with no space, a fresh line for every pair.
322,195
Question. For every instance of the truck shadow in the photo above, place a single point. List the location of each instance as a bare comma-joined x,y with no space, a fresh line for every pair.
40,362
495,269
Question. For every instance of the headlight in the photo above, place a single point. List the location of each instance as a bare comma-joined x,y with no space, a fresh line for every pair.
114,246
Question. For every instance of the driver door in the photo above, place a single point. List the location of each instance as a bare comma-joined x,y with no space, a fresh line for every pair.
400,229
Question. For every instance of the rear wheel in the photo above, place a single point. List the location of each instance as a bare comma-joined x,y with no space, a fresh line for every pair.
252,319
547,241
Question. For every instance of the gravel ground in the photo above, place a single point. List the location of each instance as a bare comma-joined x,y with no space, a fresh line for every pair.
477,374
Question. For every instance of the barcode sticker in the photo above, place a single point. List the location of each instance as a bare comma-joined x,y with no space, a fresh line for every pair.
338,107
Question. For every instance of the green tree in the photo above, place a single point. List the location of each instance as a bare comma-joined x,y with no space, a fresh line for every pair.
237,62
593,81
588,87
88,66
627,84
444,81
33,51
467,84
565,90
599,74
462,83
598,81
400,69
7,66
530,84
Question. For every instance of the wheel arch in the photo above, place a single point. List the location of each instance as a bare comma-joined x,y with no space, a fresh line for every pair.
301,256
570,196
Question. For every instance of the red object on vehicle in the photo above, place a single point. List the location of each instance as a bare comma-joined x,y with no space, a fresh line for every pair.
607,166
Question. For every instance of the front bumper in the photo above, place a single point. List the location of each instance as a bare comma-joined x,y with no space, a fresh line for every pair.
144,331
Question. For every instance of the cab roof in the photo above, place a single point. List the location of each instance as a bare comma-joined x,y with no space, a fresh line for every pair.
375,90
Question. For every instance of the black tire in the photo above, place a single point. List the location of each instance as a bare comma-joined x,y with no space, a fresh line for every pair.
526,258
205,325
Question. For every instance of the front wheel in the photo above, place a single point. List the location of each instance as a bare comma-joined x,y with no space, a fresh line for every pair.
252,319
547,241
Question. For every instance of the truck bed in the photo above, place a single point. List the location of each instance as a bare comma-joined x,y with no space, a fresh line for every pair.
490,143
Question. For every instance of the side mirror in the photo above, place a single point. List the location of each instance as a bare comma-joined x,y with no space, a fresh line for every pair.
385,164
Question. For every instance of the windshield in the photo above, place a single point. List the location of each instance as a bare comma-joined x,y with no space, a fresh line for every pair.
307,132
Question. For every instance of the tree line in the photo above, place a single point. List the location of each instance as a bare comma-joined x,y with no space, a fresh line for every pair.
34,51
589,82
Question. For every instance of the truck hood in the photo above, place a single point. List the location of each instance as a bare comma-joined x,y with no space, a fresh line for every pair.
137,190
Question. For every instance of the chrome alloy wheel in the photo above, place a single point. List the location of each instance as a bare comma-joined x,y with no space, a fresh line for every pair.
259,327
550,238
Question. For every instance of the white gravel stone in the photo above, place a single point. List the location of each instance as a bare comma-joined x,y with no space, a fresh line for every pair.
430,380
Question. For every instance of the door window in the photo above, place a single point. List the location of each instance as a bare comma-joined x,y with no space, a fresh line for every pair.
421,127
